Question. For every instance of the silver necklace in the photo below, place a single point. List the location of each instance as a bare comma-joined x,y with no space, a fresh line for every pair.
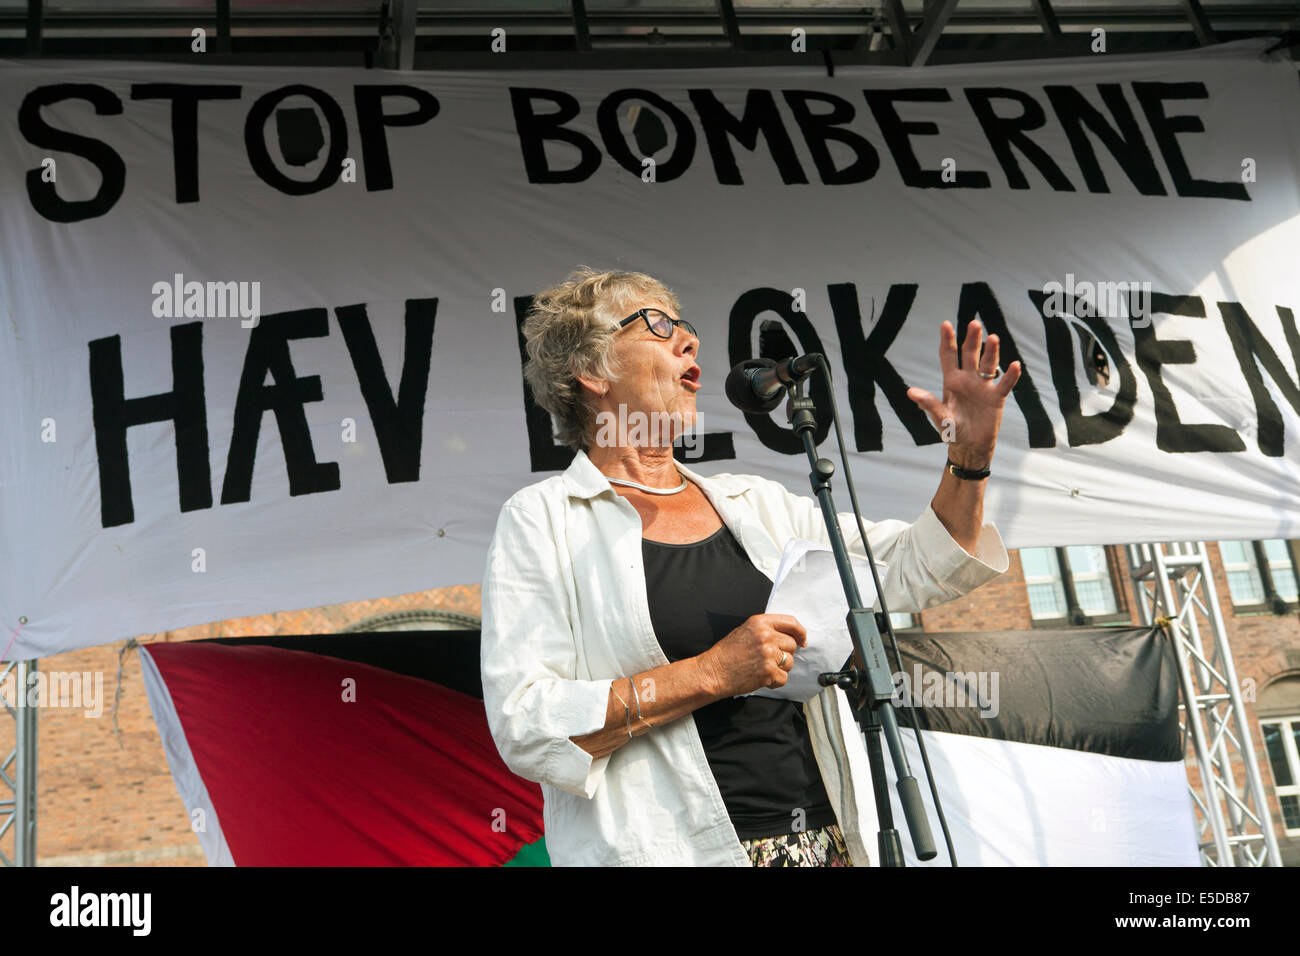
652,491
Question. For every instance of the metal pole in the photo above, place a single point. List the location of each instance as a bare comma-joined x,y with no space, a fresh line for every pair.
18,770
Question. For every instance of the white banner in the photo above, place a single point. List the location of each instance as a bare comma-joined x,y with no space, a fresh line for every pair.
184,249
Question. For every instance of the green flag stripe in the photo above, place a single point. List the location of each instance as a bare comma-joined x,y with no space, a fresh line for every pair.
532,854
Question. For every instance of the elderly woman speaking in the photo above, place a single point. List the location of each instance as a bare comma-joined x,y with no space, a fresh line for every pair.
623,601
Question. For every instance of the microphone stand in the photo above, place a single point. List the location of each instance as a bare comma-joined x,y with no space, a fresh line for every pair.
871,690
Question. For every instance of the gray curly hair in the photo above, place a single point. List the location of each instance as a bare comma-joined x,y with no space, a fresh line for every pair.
569,331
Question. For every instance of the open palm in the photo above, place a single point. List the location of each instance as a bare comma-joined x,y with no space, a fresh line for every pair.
970,414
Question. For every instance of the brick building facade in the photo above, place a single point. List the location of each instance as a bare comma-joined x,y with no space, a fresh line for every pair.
105,793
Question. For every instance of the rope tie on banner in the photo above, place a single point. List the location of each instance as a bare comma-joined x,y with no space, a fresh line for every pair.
1163,620
117,694
5,655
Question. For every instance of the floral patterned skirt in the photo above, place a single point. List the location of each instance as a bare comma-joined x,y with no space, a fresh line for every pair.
822,847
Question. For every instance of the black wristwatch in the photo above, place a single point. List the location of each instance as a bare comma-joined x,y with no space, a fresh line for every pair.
967,473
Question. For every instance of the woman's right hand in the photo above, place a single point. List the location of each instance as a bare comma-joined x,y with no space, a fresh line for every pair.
749,658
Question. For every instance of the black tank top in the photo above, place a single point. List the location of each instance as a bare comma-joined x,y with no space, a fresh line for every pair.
758,747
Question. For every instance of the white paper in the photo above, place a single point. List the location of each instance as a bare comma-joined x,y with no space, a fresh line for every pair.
808,587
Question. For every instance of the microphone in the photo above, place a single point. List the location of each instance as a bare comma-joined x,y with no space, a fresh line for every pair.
757,385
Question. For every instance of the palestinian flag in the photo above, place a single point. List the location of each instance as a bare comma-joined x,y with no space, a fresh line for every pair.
1049,747
340,750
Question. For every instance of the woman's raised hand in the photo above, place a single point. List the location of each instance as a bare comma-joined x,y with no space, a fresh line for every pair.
970,415
758,654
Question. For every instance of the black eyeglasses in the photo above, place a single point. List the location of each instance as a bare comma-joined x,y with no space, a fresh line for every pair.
660,323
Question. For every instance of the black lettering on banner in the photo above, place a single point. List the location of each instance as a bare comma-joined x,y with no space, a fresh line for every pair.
44,196
399,422
1006,132
535,129
268,351
898,133
978,301
1121,136
820,128
1249,344
760,116
185,99
1152,353
865,365
1102,426
399,425
713,446
615,144
260,158
372,120
544,452
749,306
1165,128
184,406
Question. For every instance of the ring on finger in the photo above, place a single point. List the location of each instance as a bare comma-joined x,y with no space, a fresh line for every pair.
783,657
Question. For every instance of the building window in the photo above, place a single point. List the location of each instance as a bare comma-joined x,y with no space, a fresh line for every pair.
1071,585
1282,743
904,621
1261,574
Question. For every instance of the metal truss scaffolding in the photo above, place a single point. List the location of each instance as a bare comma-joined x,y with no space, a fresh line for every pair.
1176,589
18,770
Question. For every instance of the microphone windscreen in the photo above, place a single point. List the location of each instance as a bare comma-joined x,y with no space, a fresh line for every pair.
740,392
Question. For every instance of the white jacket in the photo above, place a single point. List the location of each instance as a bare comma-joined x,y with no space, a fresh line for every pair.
565,613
